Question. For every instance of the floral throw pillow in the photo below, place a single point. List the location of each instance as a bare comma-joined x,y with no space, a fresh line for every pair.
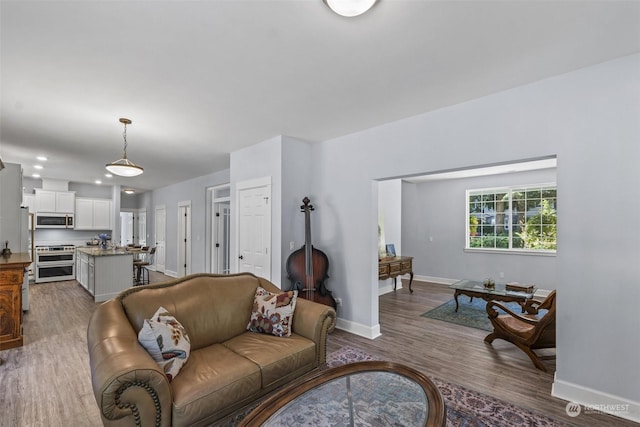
166,341
273,313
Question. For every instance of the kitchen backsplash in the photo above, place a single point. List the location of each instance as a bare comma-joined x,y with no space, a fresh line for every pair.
54,236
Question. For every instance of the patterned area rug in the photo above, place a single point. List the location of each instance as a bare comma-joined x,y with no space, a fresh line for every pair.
465,408
470,313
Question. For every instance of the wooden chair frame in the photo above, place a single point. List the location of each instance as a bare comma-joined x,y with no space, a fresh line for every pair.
513,327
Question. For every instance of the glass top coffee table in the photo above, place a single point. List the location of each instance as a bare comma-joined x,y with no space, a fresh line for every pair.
357,394
500,292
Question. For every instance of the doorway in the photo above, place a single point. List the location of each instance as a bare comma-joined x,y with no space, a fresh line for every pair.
140,227
126,228
254,227
219,229
160,233
184,238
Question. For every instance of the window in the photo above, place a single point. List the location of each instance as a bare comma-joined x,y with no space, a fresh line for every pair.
512,218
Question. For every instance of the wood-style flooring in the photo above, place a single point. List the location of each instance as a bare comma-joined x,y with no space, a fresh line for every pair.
458,354
46,382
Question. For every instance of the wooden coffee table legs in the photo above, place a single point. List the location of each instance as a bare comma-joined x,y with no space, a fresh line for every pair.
488,297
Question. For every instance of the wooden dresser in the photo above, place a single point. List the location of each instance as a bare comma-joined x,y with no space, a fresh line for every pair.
393,267
11,276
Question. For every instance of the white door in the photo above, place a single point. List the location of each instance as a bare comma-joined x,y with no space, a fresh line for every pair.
126,228
254,231
184,238
160,232
221,228
141,227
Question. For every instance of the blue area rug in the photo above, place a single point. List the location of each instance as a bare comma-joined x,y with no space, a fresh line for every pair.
470,313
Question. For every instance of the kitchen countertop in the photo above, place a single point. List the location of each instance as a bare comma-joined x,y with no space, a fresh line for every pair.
96,251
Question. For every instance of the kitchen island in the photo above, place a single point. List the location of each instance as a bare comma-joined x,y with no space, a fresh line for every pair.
104,273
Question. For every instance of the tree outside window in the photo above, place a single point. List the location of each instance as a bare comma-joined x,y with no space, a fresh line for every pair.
522,218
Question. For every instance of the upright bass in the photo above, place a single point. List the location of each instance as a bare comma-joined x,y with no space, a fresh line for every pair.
307,267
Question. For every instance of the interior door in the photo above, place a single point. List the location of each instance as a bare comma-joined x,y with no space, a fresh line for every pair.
184,238
160,233
221,228
254,231
126,228
141,227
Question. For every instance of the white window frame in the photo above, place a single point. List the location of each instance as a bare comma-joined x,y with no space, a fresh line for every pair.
510,250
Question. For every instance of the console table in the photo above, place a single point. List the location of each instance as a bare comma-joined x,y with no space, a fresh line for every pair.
392,267
11,276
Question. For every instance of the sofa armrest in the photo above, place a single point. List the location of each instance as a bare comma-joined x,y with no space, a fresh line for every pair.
126,381
314,321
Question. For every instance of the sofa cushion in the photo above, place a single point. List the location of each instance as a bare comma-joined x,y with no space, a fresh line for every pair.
211,311
272,313
166,341
214,379
280,359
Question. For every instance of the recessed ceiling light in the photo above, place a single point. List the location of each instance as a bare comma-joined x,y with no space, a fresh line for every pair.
98,181
42,158
129,191
108,175
38,166
35,175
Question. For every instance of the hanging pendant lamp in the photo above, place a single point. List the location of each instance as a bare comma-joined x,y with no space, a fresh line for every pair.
350,8
125,167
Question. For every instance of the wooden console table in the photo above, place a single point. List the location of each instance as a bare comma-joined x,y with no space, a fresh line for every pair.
393,267
11,276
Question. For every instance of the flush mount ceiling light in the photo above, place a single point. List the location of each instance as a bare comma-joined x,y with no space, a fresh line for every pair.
129,191
349,8
125,167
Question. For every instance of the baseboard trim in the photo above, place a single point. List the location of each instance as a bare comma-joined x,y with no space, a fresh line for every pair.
171,273
432,279
387,288
594,401
358,328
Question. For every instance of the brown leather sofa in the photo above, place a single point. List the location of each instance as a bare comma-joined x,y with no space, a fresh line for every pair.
228,367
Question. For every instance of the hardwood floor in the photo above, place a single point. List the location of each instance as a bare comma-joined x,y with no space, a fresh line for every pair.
459,355
47,383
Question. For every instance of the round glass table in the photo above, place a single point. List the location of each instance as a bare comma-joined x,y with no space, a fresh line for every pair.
371,393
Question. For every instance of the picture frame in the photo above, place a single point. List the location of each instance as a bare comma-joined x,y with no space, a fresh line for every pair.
391,250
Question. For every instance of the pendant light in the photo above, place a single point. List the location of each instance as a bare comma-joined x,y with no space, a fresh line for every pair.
349,8
125,167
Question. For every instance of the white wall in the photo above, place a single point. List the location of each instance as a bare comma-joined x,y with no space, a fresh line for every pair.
287,161
390,216
590,120
433,232
296,184
194,190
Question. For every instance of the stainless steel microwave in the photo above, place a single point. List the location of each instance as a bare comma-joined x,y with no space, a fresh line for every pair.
54,220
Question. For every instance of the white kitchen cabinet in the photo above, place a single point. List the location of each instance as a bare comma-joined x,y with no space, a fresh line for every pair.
93,214
108,272
84,270
91,276
102,214
84,214
51,201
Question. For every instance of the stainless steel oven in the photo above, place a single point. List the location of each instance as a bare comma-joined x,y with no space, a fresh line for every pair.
55,263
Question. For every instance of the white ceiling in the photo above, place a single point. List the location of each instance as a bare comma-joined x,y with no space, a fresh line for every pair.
200,79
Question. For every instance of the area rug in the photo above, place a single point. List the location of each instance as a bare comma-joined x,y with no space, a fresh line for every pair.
465,407
470,313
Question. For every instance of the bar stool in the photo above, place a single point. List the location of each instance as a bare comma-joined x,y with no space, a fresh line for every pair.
141,267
